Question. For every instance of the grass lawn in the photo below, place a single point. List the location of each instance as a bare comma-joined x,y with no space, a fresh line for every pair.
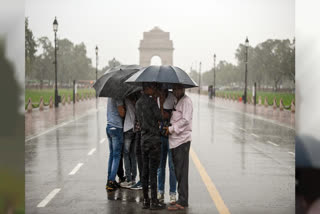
286,97
35,94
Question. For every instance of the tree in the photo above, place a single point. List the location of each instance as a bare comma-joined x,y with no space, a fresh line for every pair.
43,65
194,75
30,48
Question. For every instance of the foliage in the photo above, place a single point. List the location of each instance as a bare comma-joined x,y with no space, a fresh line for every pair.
30,48
270,64
286,97
72,60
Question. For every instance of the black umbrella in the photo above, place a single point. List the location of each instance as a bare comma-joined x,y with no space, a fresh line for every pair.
112,82
165,74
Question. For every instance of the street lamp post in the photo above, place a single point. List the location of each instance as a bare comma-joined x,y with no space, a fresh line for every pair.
96,67
55,29
214,75
96,63
199,78
246,71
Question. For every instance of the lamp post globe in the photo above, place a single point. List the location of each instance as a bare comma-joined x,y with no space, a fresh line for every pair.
55,29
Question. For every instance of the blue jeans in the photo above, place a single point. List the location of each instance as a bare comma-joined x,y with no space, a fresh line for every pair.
129,155
165,151
115,138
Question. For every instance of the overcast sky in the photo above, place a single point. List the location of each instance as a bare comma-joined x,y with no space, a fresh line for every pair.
198,28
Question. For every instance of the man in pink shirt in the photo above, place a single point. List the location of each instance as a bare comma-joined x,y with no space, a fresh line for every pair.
179,141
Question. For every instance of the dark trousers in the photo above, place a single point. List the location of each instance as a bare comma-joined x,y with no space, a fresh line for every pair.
180,156
151,150
138,153
120,171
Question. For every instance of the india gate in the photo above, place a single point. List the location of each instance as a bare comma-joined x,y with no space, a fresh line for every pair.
156,42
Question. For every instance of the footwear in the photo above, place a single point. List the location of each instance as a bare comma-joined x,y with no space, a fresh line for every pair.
123,179
172,199
160,197
136,186
156,205
146,203
117,184
176,207
127,184
111,186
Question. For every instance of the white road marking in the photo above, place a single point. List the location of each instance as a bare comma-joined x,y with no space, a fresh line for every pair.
102,140
59,126
74,171
272,143
254,135
92,151
291,153
47,199
242,129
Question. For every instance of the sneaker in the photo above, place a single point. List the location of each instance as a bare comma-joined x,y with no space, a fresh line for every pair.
160,197
172,199
111,186
127,184
136,186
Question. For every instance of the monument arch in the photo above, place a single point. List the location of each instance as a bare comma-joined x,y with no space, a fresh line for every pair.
156,42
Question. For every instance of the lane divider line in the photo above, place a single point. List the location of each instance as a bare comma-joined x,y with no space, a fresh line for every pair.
272,143
214,193
291,153
60,125
102,140
75,169
47,199
92,151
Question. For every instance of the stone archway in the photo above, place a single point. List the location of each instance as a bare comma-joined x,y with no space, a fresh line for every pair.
156,42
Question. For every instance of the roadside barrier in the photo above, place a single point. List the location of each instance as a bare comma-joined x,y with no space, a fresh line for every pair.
65,100
250,100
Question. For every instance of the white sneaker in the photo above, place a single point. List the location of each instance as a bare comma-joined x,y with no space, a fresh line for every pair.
172,199
160,197
126,184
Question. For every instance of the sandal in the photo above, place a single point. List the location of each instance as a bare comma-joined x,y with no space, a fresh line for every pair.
175,207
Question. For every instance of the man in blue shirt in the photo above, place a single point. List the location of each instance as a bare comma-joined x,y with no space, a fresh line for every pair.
115,115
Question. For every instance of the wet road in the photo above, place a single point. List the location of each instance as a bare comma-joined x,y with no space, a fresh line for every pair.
238,164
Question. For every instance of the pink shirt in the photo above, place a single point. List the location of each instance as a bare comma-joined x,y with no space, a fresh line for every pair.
181,120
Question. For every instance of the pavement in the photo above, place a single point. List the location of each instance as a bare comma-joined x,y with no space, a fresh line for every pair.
241,161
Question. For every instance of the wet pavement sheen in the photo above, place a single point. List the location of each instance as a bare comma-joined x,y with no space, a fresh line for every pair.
250,160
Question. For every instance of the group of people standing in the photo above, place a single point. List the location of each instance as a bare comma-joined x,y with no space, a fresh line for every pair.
146,128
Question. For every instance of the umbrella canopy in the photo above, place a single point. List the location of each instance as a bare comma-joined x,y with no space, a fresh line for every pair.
165,74
112,82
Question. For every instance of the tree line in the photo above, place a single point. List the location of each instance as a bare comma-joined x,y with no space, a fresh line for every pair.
72,60
271,64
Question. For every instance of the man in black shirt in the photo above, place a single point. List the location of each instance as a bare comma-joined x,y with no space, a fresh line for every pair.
148,114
